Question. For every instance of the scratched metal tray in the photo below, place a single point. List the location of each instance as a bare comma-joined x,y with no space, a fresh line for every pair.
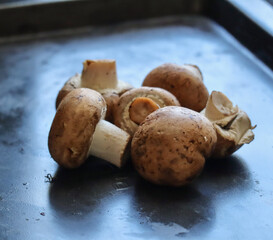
232,199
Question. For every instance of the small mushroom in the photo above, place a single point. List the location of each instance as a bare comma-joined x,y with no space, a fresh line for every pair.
99,75
232,125
183,81
78,130
171,145
136,104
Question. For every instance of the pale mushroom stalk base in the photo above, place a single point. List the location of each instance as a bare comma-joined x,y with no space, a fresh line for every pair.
110,143
100,74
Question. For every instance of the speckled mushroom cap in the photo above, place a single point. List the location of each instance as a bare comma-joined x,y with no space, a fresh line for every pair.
171,145
73,126
111,99
121,116
183,81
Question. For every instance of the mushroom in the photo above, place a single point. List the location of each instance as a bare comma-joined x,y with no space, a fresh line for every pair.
232,125
136,104
183,81
171,145
78,130
99,75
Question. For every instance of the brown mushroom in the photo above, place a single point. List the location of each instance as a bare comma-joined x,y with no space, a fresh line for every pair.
183,81
171,145
232,125
136,104
99,75
78,131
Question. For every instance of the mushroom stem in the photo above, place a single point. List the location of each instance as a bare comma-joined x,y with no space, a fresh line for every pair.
110,143
100,74
140,108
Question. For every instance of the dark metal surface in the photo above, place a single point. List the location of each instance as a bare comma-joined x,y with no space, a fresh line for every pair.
33,18
251,25
251,28
232,199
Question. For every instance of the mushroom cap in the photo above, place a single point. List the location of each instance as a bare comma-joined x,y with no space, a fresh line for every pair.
183,81
71,84
232,125
73,126
121,115
111,99
171,145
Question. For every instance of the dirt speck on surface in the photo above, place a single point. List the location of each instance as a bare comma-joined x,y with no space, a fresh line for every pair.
49,178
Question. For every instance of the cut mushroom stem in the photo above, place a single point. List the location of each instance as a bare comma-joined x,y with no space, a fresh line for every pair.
140,108
99,74
109,143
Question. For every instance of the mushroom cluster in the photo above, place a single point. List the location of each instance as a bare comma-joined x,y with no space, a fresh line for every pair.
169,127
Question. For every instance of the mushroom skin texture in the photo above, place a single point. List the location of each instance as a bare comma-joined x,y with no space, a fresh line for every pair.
71,84
99,75
111,99
171,145
78,131
185,82
232,125
157,97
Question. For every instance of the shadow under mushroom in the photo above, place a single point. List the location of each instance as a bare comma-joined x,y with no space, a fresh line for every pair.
184,206
221,175
194,204
77,191
99,193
